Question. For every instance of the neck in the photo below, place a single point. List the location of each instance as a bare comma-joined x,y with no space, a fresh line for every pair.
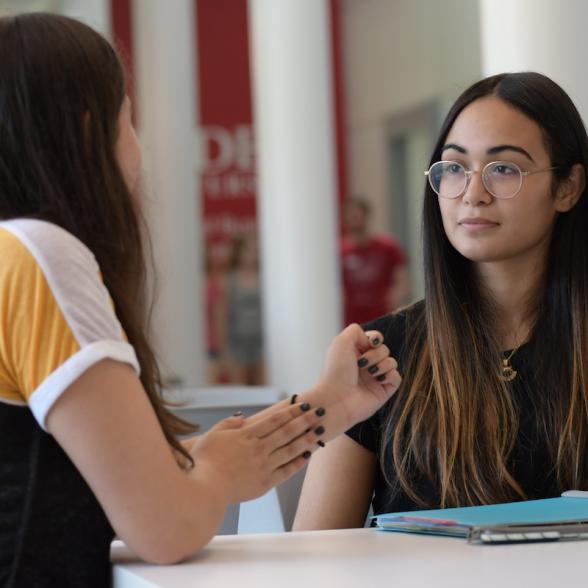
512,286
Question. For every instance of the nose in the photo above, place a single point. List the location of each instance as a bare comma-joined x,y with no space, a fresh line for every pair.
476,193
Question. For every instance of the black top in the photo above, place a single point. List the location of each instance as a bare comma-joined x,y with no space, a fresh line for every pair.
53,532
529,462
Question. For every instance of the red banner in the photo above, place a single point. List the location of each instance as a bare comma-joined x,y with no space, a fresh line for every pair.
225,118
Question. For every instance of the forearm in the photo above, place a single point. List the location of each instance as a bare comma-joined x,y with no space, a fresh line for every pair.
207,506
337,487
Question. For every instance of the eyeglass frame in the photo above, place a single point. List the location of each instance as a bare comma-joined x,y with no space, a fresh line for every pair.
470,172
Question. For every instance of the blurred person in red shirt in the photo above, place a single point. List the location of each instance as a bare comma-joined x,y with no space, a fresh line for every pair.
375,280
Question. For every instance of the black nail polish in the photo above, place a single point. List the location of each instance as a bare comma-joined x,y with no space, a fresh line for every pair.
362,362
319,430
320,443
293,399
320,411
238,413
306,455
305,407
376,341
373,369
381,377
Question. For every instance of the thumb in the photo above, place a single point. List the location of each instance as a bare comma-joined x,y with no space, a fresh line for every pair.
235,421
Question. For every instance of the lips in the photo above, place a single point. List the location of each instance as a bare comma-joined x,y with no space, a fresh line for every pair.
477,222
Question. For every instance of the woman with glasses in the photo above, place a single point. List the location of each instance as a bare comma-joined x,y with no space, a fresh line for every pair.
87,448
493,406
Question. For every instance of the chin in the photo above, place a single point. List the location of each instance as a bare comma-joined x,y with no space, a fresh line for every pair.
481,254
484,258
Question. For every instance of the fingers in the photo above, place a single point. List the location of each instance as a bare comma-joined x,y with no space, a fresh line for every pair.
303,446
286,424
372,359
386,372
233,422
288,438
289,469
362,340
375,338
378,364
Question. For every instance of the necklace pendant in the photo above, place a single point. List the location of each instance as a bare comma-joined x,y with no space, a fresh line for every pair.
508,372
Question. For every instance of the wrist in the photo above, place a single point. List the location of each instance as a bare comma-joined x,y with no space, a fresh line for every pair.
214,481
337,419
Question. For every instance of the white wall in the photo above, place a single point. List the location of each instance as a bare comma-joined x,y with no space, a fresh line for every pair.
399,54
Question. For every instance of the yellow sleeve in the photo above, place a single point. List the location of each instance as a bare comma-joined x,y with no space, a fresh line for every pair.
57,318
39,338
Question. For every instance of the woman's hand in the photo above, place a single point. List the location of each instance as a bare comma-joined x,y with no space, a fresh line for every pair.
359,375
245,459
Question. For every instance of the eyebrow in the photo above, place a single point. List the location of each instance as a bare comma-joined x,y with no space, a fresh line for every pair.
492,151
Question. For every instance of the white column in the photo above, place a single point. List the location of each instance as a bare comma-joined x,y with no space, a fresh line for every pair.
293,117
164,48
540,35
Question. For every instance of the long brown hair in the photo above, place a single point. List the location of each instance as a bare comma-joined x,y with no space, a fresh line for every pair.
455,423
61,90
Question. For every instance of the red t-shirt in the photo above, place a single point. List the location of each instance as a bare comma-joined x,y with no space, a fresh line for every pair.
368,271
214,295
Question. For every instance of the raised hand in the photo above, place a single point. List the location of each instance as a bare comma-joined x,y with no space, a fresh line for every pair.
359,375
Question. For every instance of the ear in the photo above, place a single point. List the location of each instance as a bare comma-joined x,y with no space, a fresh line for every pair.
570,189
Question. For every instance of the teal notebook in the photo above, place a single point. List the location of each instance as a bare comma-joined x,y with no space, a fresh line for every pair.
458,522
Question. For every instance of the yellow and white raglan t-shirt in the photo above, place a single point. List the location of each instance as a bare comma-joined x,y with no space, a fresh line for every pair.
57,318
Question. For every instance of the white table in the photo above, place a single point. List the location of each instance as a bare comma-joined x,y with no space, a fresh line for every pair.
360,558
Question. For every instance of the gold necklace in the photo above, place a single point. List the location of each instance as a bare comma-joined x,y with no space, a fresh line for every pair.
507,372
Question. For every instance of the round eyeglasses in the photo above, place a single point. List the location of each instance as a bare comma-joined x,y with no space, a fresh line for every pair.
502,179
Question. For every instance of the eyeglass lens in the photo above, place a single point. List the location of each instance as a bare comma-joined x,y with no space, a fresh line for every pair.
449,179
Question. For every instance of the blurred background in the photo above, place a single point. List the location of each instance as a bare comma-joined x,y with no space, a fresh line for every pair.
284,144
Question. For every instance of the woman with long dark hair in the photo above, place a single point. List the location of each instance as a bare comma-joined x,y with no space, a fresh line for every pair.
87,447
494,401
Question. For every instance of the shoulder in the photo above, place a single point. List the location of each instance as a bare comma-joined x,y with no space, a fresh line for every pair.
61,317
29,241
47,268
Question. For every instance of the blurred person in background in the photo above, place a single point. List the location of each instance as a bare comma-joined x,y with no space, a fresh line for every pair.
375,280
216,262
242,343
